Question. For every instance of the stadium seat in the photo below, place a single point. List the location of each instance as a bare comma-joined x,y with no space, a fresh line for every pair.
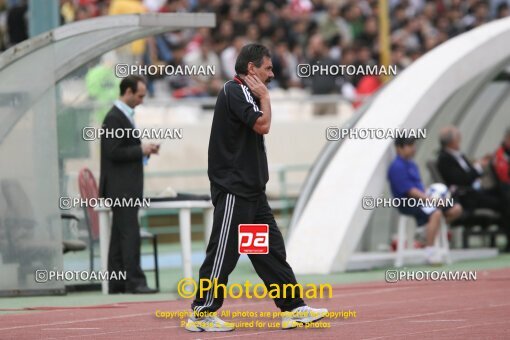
405,241
25,244
72,243
484,223
89,189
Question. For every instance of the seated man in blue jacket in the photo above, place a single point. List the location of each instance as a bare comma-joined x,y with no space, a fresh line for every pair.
405,182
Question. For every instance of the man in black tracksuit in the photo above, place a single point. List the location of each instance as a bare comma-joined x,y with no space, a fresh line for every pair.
238,173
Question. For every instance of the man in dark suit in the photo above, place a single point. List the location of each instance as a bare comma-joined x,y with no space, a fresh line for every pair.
464,176
122,158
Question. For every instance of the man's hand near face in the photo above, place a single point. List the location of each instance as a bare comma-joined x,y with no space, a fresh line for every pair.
256,86
259,89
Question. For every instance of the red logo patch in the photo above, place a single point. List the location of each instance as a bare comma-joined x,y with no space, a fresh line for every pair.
253,238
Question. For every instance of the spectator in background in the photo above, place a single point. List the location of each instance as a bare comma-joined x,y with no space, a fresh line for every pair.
364,57
169,6
398,17
154,5
501,167
102,85
503,10
226,31
366,87
205,56
456,24
180,85
67,11
409,35
84,12
331,25
405,182
132,53
300,34
183,86
318,54
353,15
252,33
3,18
17,23
501,160
346,84
398,57
229,56
477,16
265,25
284,67
157,53
370,32
76,10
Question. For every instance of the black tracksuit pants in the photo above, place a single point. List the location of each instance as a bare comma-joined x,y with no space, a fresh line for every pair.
222,251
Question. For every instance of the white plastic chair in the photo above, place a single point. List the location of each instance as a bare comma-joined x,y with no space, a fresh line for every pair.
405,241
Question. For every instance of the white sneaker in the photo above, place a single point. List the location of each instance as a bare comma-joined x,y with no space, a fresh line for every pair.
302,315
433,256
208,324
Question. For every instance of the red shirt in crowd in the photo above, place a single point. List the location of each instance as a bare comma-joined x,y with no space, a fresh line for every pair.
502,164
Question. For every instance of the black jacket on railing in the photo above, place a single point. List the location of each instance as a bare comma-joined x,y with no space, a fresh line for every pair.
453,173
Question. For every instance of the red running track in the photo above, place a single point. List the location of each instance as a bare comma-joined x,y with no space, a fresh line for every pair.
405,310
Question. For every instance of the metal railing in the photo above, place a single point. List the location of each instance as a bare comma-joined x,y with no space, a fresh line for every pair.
211,101
284,202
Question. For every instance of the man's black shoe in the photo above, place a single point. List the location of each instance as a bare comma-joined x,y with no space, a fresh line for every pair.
143,290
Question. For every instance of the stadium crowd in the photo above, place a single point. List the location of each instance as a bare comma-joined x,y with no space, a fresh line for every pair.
297,31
